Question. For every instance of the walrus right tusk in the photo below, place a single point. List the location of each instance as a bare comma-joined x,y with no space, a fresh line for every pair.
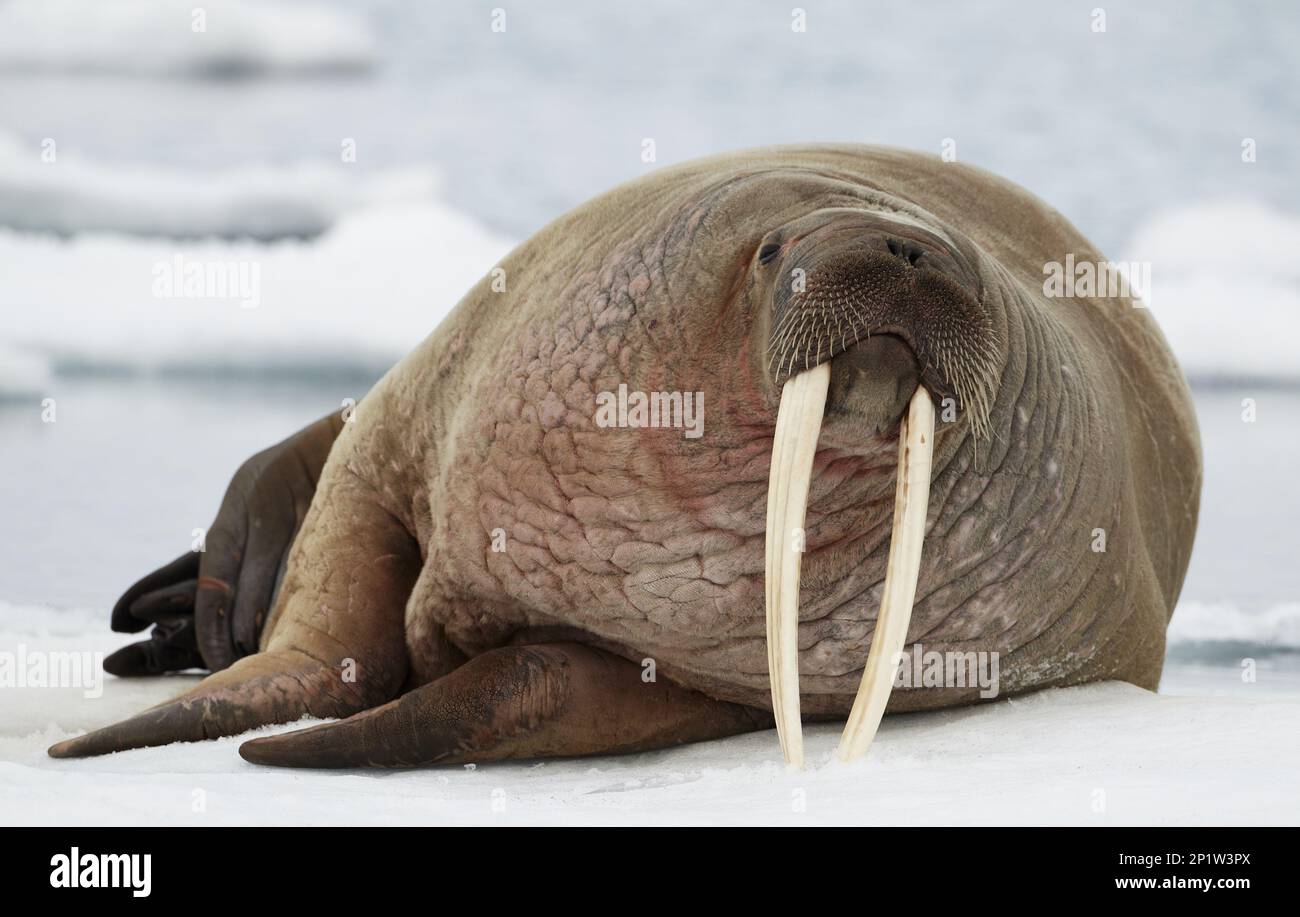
798,421
915,453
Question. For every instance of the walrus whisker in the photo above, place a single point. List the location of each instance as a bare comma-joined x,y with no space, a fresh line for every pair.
781,332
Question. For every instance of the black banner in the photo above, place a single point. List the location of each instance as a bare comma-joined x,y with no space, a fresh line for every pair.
339,865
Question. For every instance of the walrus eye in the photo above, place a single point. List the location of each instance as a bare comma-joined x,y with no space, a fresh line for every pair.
768,252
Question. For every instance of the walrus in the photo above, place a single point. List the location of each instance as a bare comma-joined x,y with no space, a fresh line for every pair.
905,442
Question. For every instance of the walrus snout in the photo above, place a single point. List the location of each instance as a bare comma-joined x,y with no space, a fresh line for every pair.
871,385
838,279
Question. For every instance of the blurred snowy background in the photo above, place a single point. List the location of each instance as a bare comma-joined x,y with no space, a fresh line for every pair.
127,138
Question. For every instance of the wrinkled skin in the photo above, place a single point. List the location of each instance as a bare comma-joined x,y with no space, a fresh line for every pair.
1058,417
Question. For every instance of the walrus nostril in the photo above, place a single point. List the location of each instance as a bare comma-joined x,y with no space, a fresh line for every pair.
768,252
904,250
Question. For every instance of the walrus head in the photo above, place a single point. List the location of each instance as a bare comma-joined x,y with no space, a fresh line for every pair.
871,318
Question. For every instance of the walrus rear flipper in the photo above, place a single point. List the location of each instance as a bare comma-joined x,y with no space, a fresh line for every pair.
256,690
546,700
335,643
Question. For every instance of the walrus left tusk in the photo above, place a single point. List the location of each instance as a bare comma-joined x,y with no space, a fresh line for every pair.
798,422
915,453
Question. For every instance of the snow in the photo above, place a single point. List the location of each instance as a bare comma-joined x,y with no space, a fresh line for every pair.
231,38
1276,626
1104,754
48,188
92,300
1225,287
354,268
89,299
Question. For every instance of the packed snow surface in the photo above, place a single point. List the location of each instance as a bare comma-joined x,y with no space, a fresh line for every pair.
1101,754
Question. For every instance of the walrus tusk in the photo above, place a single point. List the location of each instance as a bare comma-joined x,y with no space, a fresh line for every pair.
798,422
915,452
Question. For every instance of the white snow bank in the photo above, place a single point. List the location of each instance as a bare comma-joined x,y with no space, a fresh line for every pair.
1098,755
73,194
159,37
98,260
1225,281
1276,627
392,259
23,374
361,295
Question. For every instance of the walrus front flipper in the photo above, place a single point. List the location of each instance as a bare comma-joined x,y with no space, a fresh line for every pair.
208,606
551,700
335,644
